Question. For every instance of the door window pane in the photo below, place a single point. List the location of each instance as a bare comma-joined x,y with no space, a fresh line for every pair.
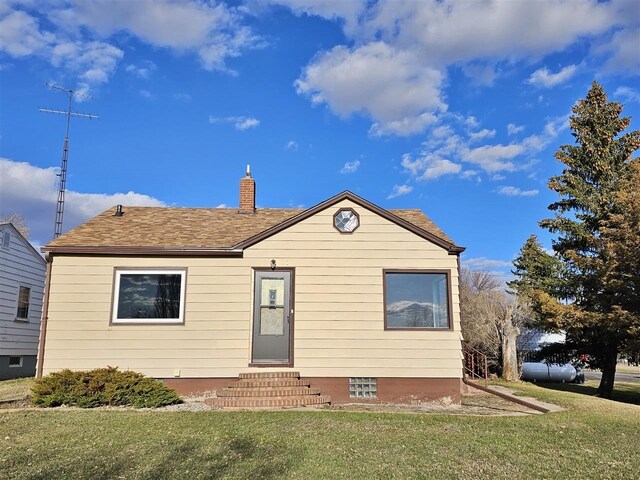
272,306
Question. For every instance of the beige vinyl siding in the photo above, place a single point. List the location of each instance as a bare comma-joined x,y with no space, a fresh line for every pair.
338,319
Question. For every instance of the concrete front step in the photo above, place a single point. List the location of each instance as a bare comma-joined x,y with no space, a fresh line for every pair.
268,392
270,382
264,375
288,401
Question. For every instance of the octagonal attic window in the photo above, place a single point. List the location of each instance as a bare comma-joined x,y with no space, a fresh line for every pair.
346,220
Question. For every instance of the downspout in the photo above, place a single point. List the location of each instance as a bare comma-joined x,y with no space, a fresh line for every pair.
460,308
45,316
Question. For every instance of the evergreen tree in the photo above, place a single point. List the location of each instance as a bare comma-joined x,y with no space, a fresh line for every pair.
594,238
535,269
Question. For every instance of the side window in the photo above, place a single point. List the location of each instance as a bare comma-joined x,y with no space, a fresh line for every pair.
149,296
6,239
24,295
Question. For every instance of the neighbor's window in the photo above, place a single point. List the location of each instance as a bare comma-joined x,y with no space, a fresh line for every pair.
416,299
6,239
23,303
15,362
149,296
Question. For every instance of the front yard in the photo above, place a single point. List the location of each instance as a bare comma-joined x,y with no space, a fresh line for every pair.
593,438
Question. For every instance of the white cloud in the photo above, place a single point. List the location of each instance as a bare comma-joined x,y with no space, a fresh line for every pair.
399,190
472,122
544,78
91,61
291,145
622,49
493,158
182,97
393,68
627,94
147,94
349,10
404,127
32,192
449,146
20,35
429,167
513,129
481,135
510,191
450,32
389,85
485,263
350,167
79,37
467,174
246,123
240,123
212,30
143,72
480,73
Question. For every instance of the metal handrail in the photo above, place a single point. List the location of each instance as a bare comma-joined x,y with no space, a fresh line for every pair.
475,363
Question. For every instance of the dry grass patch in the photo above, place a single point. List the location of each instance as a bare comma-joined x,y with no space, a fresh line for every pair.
18,389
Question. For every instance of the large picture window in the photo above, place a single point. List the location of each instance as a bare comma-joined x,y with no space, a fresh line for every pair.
149,296
416,299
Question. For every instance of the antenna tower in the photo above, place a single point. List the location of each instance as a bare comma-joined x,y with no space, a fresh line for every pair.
65,149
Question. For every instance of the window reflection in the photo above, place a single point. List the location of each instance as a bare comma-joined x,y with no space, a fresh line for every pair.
416,300
149,296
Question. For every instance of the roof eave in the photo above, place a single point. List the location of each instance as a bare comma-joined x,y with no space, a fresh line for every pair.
143,251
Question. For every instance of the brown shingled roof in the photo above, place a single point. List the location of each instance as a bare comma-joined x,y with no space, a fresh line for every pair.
168,228
173,227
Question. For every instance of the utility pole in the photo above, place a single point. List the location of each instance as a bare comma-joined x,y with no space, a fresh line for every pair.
65,150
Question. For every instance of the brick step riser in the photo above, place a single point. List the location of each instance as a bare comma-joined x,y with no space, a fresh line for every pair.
267,392
299,401
272,375
270,383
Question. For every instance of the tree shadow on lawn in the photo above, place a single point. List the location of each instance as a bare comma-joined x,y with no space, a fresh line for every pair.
622,392
237,457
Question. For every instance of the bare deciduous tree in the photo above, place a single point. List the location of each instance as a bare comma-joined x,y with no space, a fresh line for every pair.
491,319
17,221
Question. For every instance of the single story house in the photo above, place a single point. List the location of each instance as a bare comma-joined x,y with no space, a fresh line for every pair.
361,301
22,271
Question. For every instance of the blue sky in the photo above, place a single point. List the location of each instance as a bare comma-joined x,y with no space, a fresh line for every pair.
453,107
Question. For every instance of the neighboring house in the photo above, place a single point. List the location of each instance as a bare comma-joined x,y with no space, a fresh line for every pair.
362,301
22,271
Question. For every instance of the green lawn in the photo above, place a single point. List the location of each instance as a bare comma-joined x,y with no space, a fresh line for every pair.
593,438
623,392
627,369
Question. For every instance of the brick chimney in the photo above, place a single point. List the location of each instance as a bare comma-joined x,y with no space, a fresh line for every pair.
247,193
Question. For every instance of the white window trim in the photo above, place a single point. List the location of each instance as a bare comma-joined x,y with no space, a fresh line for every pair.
116,296
16,356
